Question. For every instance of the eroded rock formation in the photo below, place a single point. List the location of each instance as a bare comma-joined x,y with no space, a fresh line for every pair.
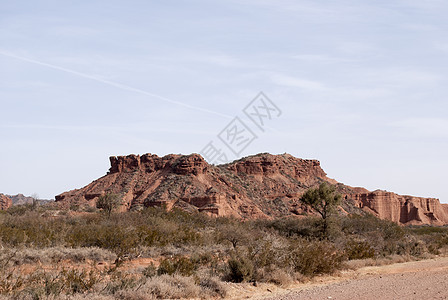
5,202
263,185
259,186
403,209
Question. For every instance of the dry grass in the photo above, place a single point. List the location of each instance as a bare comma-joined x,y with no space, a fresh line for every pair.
374,262
279,277
190,255
21,256
171,287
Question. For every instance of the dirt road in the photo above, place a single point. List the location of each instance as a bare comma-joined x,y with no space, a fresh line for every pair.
413,280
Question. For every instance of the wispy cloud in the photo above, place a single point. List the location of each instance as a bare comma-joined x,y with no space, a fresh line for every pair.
114,84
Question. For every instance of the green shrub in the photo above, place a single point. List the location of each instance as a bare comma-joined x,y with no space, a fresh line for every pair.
293,227
312,258
358,250
177,265
241,268
150,271
364,225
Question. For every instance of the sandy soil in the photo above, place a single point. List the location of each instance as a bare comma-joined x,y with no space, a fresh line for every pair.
426,279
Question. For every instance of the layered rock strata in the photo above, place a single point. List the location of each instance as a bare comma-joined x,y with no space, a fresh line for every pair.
259,186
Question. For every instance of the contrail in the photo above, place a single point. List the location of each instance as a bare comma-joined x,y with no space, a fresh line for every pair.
115,84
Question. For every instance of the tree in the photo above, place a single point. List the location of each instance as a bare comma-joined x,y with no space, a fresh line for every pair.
323,200
108,202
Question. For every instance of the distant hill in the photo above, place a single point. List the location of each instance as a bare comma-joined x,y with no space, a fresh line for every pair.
21,199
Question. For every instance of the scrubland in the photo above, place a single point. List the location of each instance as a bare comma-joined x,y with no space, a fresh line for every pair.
154,254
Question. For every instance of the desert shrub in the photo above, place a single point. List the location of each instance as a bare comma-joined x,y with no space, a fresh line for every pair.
148,236
385,237
121,241
11,236
358,250
10,282
427,230
30,232
54,255
119,281
195,247
235,232
294,227
150,271
20,210
40,283
177,265
240,267
204,259
78,281
434,238
213,287
364,225
278,276
311,258
171,287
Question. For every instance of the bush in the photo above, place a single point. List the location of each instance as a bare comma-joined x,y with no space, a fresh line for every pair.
312,258
241,268
278,277
150,271
177,265
171,287
364,225
293,227
359,250
213,287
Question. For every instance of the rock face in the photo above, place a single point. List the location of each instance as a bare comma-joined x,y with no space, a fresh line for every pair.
5,202
403,209
263,185
259,186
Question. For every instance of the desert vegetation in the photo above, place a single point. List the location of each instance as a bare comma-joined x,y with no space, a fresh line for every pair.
155,254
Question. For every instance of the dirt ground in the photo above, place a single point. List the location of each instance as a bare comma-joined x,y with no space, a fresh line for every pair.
427,279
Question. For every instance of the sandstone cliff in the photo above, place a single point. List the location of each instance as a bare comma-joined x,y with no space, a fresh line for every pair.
5,202
403,209
263,185
259,186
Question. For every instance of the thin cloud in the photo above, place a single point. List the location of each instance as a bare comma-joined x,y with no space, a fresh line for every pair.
114,84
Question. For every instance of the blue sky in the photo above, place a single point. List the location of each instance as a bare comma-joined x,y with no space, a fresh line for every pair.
362,86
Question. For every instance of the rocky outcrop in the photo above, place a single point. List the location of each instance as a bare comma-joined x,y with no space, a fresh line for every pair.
5,202
263,185
259,186
178,164
403,209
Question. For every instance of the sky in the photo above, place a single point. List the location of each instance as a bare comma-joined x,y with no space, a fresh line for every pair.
359,85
